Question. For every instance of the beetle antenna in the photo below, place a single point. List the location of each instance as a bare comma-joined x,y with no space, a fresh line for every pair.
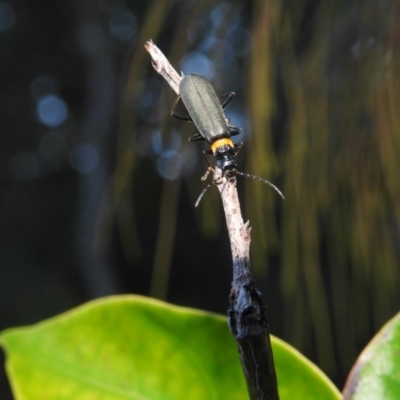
262,180
202,194
205,176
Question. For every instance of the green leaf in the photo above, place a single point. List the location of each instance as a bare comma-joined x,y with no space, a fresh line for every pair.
376,374
131,347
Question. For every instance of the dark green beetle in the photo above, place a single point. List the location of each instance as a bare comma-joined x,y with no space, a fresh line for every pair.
206,112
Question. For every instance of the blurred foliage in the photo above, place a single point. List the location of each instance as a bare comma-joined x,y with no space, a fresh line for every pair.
373,375
320,89
133,347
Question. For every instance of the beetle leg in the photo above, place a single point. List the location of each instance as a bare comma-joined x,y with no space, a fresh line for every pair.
205,176
196,138
210,169
229,96
174,114
237,148
234,130
182,117
205,158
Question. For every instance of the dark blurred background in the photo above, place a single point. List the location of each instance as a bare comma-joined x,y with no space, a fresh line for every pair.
98,182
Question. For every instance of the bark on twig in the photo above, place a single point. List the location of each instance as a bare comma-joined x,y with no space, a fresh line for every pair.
246,315
162,66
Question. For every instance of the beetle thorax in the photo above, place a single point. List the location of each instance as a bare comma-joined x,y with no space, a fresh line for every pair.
225,157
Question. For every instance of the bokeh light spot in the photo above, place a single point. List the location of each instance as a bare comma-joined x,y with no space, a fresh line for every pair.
122,24
84,158
156,142
51,110
198,63
91,38
169,165
218,13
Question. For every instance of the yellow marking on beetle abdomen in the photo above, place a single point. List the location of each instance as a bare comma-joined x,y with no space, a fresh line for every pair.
219,143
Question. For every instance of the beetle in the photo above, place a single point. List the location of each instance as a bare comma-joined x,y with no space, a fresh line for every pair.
207,114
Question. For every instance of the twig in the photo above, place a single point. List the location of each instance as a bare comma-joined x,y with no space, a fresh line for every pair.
162,66
246,315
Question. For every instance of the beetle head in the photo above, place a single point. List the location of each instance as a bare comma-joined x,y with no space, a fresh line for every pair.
225,157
